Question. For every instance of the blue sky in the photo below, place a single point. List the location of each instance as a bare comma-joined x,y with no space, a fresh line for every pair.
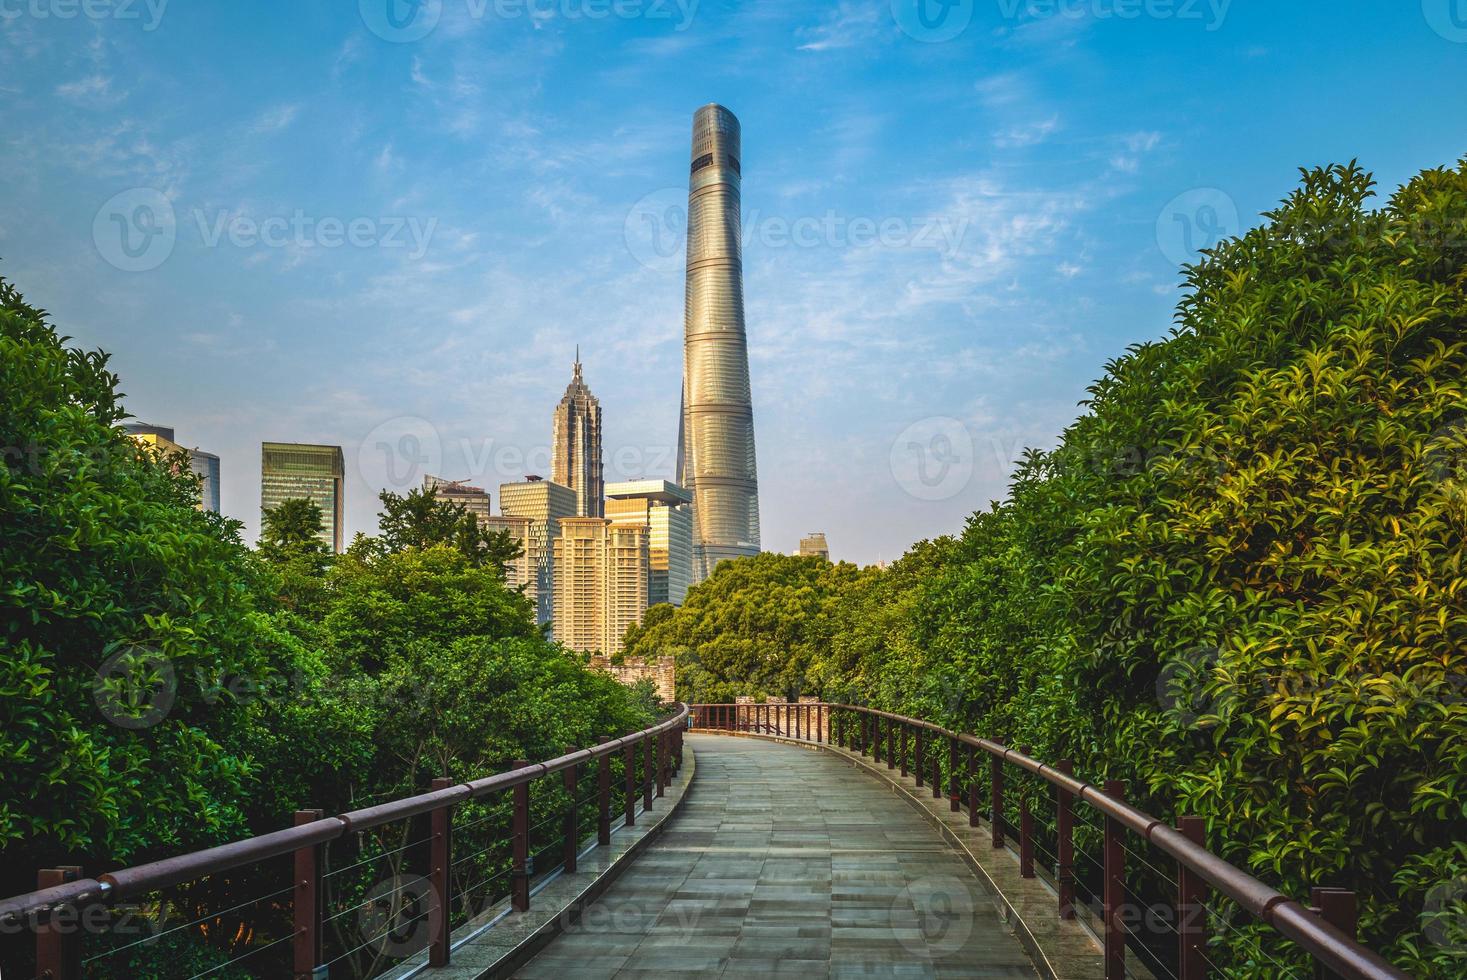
343,232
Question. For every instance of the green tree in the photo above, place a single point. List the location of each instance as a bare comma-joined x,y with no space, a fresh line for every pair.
421,520
292,529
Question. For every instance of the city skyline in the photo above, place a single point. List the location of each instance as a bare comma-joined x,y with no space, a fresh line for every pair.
1044,177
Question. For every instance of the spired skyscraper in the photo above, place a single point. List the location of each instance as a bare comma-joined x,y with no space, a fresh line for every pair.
716,431
575,446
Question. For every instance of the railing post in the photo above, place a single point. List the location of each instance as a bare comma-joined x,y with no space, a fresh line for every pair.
820,722
1064,849
307,902
995,813
519,889
662,763
1114,889
58,944
1026,830
905,750
440,877
1337,907
603,798
919,761
891,728
631,787
800,711
972,786
572,817
647,777
876,721
937,772
954,801
1191,927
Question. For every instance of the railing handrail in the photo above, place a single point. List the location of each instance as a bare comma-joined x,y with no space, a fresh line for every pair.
1264,902
174,870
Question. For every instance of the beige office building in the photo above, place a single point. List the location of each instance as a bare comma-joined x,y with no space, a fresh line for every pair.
545,504
521,571
813,545
600,582
292,470
665,509
475,500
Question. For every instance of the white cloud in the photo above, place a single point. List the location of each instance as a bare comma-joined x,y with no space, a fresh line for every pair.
852,22
1026,134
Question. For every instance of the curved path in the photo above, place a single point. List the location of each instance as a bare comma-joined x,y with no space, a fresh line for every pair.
785,860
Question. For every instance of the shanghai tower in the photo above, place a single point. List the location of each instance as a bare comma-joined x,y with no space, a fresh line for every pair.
716,432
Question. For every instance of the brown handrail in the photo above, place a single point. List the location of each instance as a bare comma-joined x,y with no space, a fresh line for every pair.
38,906
1328,944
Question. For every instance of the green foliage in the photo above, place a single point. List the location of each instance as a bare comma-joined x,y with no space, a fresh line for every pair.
421,520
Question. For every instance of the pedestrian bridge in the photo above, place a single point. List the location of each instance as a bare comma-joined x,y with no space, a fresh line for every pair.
810,839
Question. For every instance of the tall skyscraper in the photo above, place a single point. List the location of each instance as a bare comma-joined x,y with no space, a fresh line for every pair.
546,504
665,510
600,582
204,465
475,500
291,470
716,432
813,544
575,445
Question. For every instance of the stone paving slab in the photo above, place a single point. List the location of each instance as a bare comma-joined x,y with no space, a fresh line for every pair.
784,861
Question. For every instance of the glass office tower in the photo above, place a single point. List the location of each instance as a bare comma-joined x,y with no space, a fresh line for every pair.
716,437
291,470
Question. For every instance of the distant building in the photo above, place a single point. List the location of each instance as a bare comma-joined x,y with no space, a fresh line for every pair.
575,445
293,471
475,500
521,571
204,465
662,673
600,582
546,504
665,509
813,545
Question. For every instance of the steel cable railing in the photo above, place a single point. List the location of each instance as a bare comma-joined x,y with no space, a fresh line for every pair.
1324,930
296,945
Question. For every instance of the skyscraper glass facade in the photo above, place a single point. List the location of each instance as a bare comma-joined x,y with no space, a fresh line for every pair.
291,470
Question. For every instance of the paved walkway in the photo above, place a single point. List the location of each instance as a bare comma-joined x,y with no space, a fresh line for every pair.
789,861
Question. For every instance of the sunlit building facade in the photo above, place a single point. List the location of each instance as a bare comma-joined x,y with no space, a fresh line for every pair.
600,582
813,545
716,437
523,570
545,503
292,471
475,500
665,510
203,465
575,445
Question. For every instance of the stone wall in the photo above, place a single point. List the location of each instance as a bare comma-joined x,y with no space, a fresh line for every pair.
661,673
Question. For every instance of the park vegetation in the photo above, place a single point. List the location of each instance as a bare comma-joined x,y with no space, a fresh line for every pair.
1237,584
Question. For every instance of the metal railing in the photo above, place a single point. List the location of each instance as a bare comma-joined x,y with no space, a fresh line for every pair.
65,900
1325,930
